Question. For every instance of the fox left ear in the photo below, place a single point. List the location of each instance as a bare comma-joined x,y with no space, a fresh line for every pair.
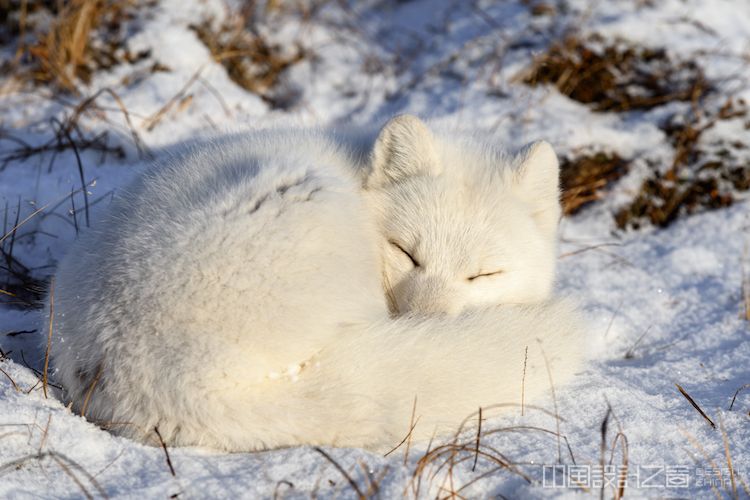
404,148
538,183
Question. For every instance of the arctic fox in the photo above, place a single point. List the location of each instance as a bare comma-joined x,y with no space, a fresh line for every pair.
285,287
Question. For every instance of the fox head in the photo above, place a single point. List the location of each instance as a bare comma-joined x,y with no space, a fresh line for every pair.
463,225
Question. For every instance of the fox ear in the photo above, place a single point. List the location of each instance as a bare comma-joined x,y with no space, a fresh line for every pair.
404,148
538,183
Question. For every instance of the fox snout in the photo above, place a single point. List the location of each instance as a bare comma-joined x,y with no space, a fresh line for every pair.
428,295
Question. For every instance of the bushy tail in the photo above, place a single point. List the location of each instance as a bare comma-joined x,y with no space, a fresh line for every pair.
360,390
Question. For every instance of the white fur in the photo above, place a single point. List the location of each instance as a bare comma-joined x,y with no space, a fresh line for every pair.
234,296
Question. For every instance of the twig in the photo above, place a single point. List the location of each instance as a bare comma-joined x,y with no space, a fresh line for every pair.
479,435
166,452
554,401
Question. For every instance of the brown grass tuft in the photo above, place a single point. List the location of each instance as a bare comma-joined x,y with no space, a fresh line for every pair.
616,77
251,60
584,178
63,43
701,177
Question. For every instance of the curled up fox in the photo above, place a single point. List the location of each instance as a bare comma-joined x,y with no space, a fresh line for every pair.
289,286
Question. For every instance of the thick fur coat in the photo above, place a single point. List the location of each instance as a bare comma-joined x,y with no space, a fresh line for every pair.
289,287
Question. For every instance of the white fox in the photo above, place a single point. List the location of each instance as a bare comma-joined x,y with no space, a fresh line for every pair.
283,287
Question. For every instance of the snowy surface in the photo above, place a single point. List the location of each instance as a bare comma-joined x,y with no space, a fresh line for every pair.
665,307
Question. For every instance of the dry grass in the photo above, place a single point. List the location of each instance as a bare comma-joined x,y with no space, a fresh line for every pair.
19,287
251,60
584,179
69,466
695,405
702,176
615,77
619,77
62,44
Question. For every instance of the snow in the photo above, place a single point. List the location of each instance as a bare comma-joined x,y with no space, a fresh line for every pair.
664,307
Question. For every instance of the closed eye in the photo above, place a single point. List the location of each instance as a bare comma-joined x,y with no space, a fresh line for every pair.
482,275
412,259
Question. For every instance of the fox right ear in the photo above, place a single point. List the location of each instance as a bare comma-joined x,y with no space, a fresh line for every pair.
404,148
538,183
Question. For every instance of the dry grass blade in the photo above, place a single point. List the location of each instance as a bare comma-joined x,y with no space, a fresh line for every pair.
622,477
90,102
745,282
151,122
630,353
66,464
479,437
736,393
90,390
49,334
728,455
27,219
587,248
554,401
412,425
522,428
695,405
708,459
79,163
523,379
352,483
603,445
277,490
15,386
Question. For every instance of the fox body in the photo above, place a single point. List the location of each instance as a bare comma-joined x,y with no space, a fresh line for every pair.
289,287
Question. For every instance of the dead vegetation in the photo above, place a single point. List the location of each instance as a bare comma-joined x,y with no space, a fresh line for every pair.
62,44
615,77
251,60
18,286
584,179
703,175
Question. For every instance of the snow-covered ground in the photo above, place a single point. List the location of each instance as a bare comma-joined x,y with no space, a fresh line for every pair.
665,307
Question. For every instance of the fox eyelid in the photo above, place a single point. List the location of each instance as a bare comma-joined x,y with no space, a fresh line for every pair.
413,260
480,275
